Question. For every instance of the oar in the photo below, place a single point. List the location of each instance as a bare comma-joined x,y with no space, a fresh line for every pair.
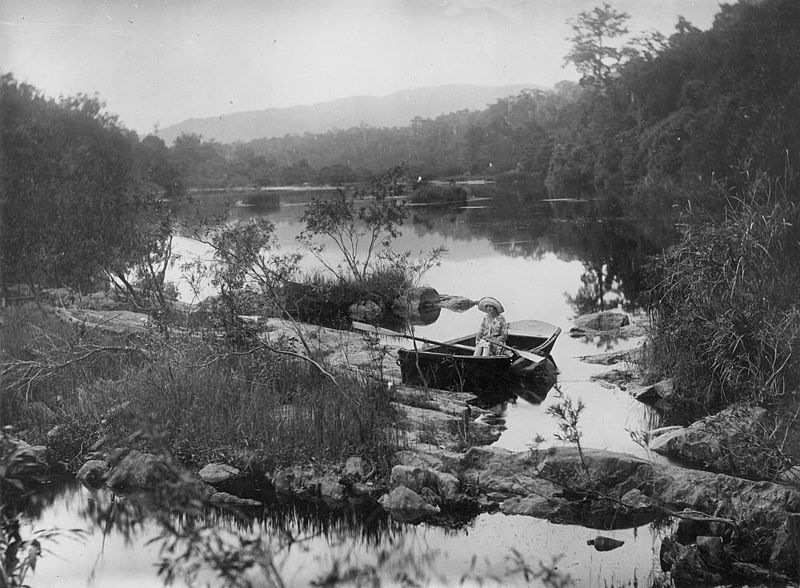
530,356
389,333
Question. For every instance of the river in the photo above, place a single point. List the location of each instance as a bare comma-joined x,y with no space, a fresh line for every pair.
542,259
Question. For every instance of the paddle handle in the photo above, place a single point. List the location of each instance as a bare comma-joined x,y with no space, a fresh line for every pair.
389,333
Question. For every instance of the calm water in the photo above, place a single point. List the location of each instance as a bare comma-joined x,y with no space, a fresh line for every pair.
548,260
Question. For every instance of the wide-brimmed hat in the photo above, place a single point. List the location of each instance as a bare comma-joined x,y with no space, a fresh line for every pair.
485,303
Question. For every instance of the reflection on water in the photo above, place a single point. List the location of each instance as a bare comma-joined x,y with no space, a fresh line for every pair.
496,223
301,544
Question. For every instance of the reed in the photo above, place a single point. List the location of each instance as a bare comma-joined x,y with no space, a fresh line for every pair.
726,325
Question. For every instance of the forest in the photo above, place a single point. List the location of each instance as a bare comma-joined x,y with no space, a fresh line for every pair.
655,118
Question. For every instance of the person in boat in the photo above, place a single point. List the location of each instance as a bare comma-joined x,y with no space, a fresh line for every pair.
494,328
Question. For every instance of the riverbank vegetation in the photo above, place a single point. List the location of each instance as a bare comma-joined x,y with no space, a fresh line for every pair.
200,397
726,325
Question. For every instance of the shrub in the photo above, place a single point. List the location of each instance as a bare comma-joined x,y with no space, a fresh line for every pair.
724,304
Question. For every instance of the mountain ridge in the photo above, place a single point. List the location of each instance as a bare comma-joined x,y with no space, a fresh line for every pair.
392,110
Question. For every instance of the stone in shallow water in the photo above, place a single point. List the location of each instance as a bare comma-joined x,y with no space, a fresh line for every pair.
93,473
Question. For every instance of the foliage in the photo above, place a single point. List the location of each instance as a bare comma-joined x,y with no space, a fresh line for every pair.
591,53
724,302
568,414
358,223
74,206
20,472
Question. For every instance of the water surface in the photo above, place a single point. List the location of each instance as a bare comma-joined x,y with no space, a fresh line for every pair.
548,260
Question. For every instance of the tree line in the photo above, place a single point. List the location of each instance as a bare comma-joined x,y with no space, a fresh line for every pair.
656,117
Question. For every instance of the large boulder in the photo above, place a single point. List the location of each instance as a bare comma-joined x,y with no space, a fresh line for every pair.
141,471
600,321
93,473
727,442
406,505
418,301
445,485
217,474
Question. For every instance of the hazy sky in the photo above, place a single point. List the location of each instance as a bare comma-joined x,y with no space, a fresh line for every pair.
162,61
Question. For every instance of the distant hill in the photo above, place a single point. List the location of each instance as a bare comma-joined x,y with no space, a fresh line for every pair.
397,109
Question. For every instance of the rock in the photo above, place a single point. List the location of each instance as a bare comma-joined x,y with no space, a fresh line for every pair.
689,530
418,299
354,468
636,500
653,433
140,471
601,543
366,310
613,357
417,478
657,392
93,473
533,505
606,320
282,481
230,499
455,303
723,442
685,564
331,489
218,473
117,322
725,496
712,549
406,505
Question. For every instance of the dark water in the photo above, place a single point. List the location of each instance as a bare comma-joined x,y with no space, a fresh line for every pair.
545,260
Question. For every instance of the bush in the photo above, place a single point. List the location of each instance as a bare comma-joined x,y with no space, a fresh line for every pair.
324,300
724,304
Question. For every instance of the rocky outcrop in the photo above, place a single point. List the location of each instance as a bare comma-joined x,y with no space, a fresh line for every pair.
116,322
732,441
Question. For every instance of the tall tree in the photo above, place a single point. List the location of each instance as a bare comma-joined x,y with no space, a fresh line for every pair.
591,52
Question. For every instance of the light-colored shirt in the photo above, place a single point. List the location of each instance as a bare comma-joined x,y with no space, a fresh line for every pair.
494,330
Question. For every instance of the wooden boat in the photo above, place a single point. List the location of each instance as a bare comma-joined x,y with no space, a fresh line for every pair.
448,367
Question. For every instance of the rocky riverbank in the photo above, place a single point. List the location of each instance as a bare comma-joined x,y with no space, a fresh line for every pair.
732,523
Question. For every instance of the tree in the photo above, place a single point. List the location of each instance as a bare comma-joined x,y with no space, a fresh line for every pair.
72,205
356,230
591,54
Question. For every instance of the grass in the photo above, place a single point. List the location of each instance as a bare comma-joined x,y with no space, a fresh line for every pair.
724,304
199,399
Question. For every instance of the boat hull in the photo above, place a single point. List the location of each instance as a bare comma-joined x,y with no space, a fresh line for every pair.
453,371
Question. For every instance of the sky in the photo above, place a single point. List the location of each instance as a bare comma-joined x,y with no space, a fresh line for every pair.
158,62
